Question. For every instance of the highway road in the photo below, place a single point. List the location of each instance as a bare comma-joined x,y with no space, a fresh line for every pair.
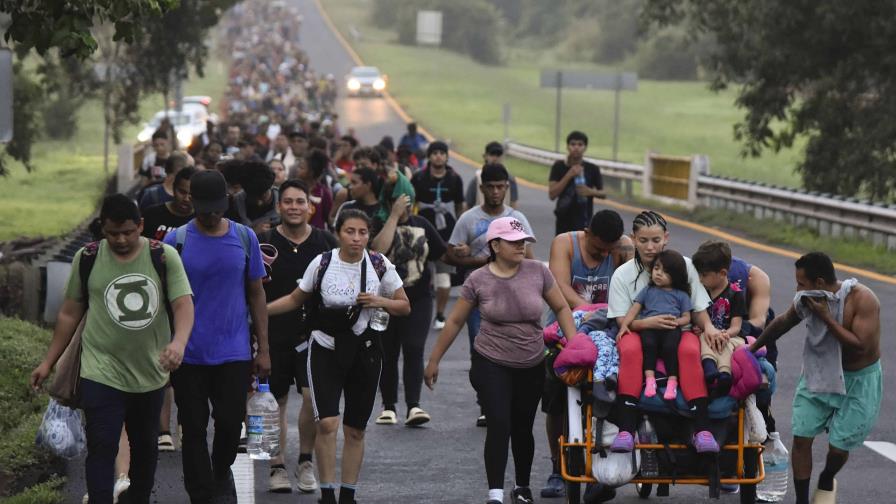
443,462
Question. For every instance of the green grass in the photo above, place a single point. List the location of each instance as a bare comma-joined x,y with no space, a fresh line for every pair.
22,346
48,492
459,99
68,179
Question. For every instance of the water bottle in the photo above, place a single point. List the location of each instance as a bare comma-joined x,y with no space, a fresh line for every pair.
580,181
379,320
650,466
263,428
777,470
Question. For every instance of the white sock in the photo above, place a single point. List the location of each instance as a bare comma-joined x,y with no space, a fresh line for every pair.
496,494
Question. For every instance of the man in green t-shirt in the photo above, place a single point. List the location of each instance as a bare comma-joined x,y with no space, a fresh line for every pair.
127,348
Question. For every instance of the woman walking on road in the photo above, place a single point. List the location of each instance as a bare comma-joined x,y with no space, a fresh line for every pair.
345,286
507,369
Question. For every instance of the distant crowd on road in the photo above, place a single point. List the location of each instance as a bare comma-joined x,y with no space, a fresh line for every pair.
284,250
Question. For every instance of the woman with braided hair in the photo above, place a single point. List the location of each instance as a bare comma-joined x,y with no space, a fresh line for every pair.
650,234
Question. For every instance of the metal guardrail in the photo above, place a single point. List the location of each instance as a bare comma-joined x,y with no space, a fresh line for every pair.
829,215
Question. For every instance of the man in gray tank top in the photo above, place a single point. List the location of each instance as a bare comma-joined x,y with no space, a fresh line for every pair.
582,262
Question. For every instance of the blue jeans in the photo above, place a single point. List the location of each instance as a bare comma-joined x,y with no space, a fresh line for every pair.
106,410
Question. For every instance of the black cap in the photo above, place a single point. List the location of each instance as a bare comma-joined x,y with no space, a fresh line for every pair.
494,149
208,190
437,146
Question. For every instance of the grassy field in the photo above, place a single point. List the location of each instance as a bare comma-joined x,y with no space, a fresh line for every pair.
459,99
68,180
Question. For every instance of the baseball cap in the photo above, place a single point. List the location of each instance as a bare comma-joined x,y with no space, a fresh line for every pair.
508,229
208,190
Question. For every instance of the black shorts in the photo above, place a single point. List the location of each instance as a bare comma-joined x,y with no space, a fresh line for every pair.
288,367
328,380
553,396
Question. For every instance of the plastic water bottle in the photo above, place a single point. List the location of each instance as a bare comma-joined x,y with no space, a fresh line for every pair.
777,470
650,466
263,429
379,320
580,181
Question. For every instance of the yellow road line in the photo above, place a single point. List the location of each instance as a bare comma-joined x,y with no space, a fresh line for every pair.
621,206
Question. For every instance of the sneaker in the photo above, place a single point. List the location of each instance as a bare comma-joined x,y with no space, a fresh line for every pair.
624,443
521,495
439,323
86,499
555,487
305,477
387,417
704,442
417,416
121,485
278,482
166,443
481,422
729,488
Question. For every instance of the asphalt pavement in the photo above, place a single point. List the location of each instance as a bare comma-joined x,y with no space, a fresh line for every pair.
442,461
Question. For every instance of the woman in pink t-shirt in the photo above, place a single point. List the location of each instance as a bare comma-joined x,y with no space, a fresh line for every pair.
507,370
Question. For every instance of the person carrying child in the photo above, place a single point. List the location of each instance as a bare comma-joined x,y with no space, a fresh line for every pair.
726,311
667,294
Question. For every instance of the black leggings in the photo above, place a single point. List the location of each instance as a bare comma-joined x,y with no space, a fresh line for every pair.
406,336
662,341
509,397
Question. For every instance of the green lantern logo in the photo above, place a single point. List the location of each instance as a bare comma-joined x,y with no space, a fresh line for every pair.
132,301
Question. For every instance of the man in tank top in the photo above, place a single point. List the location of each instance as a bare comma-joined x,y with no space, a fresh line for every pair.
582,262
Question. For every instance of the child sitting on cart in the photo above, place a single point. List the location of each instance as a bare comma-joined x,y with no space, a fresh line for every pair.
667,294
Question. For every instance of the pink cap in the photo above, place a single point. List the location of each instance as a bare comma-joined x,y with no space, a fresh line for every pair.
508,229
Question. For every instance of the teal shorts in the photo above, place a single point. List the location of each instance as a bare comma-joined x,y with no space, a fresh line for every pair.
848,418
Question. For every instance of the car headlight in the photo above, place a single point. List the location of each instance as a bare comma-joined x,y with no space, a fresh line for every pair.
354,84
144,136
184,139
379,84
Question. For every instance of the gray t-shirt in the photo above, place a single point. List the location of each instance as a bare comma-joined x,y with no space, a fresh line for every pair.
472,226
511,308
658,301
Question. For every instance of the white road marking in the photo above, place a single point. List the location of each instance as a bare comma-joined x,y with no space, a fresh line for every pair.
884,448
244,477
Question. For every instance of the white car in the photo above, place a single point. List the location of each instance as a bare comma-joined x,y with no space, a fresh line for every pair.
365,81
189,123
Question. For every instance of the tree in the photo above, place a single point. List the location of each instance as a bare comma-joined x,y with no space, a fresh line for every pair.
823,70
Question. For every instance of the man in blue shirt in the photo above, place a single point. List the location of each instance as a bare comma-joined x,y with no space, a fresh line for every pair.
223,263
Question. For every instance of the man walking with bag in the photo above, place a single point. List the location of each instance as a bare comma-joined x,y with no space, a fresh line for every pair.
126,349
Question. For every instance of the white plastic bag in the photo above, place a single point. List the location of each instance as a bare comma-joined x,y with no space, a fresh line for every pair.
61,431
756,430
614,469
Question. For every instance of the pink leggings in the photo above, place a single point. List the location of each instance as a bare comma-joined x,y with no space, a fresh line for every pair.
631,366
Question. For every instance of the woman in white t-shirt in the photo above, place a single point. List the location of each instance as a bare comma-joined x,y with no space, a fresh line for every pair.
650,234
345,354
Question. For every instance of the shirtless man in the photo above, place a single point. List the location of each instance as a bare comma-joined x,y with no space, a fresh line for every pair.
850,413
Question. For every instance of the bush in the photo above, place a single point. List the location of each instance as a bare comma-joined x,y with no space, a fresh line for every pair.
60,117
384,13
469,27
668,55
22,346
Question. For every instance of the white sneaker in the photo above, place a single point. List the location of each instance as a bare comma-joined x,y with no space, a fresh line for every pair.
86,499
166,443
387,417
121,484
438,324
416,417
305,477
279,481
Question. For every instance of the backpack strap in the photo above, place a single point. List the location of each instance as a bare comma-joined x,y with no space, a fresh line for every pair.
85,266
157,255
180,235
379,264
325,259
